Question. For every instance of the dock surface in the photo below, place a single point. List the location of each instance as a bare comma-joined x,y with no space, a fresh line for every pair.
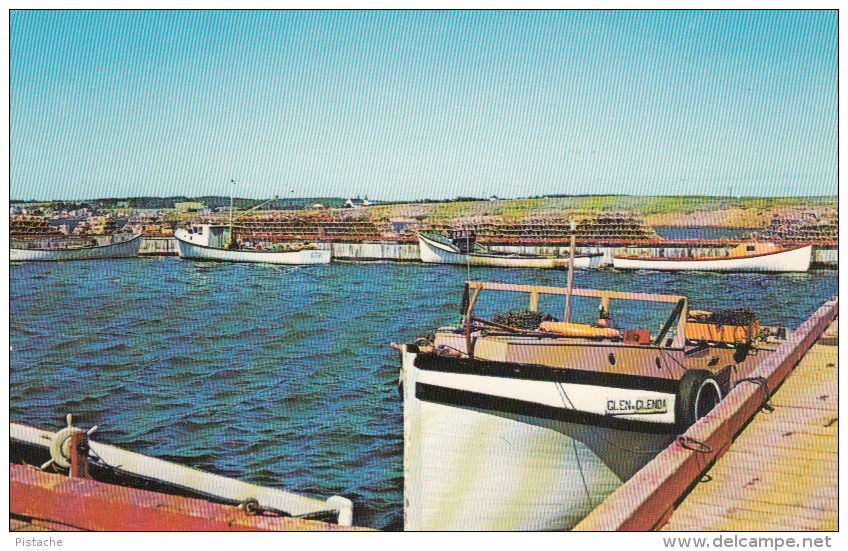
749,465
781,473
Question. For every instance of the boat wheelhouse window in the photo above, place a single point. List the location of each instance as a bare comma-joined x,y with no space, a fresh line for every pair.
464,240
749,248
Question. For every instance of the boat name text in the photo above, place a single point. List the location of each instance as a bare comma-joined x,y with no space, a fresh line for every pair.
638,406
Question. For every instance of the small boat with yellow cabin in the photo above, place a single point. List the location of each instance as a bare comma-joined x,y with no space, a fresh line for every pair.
746,257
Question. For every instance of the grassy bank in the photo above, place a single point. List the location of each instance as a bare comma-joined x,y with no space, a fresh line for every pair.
693,211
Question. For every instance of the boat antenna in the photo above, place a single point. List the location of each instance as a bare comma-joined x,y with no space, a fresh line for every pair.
573,225
468,253
231,208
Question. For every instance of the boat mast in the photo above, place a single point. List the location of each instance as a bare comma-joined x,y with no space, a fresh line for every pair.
567,314
260,205
231,208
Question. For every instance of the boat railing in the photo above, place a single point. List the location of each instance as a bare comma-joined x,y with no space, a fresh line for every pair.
679,313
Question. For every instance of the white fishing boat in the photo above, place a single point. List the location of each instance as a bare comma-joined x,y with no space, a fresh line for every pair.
461,248
211,242
217,242
94,248
509,428
51,451
746,257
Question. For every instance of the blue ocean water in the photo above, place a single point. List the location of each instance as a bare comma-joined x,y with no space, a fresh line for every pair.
278,375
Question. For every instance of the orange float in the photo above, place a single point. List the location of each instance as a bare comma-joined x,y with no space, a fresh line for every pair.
579,330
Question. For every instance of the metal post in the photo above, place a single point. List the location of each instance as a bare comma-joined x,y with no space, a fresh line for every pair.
567,315
78,450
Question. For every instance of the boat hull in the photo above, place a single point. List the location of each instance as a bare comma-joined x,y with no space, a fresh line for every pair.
500,453
436,253
791,260
199,252
124,249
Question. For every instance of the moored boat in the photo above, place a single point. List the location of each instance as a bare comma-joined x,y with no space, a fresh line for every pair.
91,248
528,422
212,242
746,257
461,248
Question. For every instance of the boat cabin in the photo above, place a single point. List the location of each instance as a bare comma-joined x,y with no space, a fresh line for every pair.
464,241
208,235
754,249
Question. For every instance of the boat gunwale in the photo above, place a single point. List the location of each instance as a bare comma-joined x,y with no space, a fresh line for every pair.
539,339
130,240
504,255
449,396
709,258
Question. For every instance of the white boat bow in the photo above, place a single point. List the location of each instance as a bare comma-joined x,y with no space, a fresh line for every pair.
122,249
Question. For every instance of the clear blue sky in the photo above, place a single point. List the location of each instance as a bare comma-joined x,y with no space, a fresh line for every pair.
407,105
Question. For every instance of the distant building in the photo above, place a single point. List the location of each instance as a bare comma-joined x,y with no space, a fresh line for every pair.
493,198
189,206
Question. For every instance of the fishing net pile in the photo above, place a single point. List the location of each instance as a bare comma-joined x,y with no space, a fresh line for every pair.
523,319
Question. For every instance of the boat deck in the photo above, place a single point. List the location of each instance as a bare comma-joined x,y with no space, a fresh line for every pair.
797,488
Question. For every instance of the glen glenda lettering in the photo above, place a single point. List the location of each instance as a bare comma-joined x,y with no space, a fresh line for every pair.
37,542
614,406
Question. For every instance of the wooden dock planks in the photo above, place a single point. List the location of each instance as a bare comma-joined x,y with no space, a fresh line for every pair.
781,472
648,500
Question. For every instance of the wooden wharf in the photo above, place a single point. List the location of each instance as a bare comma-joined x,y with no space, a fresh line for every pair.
749,464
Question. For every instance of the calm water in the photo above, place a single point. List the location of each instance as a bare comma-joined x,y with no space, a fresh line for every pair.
281,376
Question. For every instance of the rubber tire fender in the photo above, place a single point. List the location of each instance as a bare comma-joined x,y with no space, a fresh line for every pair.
693,385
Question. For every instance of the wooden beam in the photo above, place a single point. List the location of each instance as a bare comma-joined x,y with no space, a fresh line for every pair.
91,505
642,502
576,292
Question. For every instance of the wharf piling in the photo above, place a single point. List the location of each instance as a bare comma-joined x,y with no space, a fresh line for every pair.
716,477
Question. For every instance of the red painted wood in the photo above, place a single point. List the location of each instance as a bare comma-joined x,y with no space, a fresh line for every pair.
91,505
78,446
642,502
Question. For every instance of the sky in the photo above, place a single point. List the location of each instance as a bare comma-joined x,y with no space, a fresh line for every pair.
406,105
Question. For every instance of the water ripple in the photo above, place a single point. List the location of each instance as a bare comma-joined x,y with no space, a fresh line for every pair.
279,375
